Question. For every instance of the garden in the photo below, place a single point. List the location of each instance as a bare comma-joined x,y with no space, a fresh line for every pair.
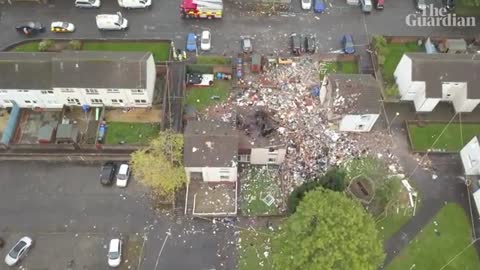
131,133
347,67
260,192
159,49
254,248
441,137
447,235
205,96
467,8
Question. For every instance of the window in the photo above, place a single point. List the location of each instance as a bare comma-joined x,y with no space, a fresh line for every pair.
28,101
224,177
3,91
43,91
67,90
91,91
140,101
272,160
227,171
96,101
365,117
114,100
120,100
113,91
7,101
360,127
34,101
50,91
73,101
272,150
244,158
137,92
25,91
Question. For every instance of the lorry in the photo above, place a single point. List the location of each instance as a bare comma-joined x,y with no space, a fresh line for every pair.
208,9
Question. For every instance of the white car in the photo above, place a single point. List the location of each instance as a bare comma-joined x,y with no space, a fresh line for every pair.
123,175
205,41
62,27
135,3
87,3
115,253
306,4
18,251
111,22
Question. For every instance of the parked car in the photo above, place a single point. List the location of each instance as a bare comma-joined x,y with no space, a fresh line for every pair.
306,4
421,5
62,27
87,3
310,43
30,28
107,173
134,3
205,41
18,251
115,252
347,44
191,44
247,46
123,175
296,44
379,4
319,6
449,4
111,22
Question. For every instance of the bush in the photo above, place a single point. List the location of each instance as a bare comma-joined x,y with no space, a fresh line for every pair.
392,91
75,45
334,180
45,44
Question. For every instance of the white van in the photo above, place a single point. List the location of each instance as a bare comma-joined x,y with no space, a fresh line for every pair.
367,6
135,3
111,22
87,3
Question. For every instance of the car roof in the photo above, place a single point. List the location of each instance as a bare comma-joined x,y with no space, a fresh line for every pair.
205,33
114,244
191,35
123,169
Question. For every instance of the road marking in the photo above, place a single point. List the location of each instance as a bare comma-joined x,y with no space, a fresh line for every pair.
161,249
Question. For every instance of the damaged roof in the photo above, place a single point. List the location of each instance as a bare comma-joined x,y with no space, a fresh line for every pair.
433,69
210,144
359,93
257,128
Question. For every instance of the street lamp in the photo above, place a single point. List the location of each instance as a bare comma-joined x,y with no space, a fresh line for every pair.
391,122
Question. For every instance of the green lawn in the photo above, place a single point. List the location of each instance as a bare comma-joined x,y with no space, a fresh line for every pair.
258,183
131,133
202,97
251,248
467,8
431,250
392,223
395,53
160,50
213,60
424,136
350,67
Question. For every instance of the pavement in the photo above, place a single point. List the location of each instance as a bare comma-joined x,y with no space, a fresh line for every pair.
270,33
64,206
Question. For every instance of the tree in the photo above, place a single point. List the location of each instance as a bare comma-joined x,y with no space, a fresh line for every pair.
328,231
159,166
334,180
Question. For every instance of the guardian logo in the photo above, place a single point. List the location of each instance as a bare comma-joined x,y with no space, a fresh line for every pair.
438,17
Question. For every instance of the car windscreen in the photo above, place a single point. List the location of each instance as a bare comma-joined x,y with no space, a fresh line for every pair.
113,255
14,252
306,1
122,176
65,25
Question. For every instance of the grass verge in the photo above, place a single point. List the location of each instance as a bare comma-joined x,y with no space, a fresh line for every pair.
448,234
251,249
453,138
131,133
350,67
255,186
160,50
213,60
393,56
202,97
132,252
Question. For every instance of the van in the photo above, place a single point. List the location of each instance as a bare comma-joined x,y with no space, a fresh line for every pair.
87,3
111,22
367,6
135,3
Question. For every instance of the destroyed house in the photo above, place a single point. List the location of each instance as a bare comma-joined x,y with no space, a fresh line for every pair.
210,151
427,79
354,100
259,143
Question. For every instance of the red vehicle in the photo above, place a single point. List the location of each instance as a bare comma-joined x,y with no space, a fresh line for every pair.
209,9
379,4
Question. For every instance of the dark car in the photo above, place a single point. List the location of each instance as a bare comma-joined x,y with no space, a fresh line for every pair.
319,6
310,44
347,44
30,28
107,174
296,44
194,78
449,4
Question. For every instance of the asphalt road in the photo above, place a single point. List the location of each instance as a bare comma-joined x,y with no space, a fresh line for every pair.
39,199
162,21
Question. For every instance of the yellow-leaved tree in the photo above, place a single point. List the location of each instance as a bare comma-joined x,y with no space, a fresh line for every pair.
159,166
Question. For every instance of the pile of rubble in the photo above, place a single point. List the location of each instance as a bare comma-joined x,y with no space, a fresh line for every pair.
313,144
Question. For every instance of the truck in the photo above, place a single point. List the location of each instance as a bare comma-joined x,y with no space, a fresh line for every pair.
208,9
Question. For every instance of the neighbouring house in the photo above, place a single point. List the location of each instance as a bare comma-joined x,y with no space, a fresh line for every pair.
354,99
427,79
259,142
470,155
210,151
77,78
